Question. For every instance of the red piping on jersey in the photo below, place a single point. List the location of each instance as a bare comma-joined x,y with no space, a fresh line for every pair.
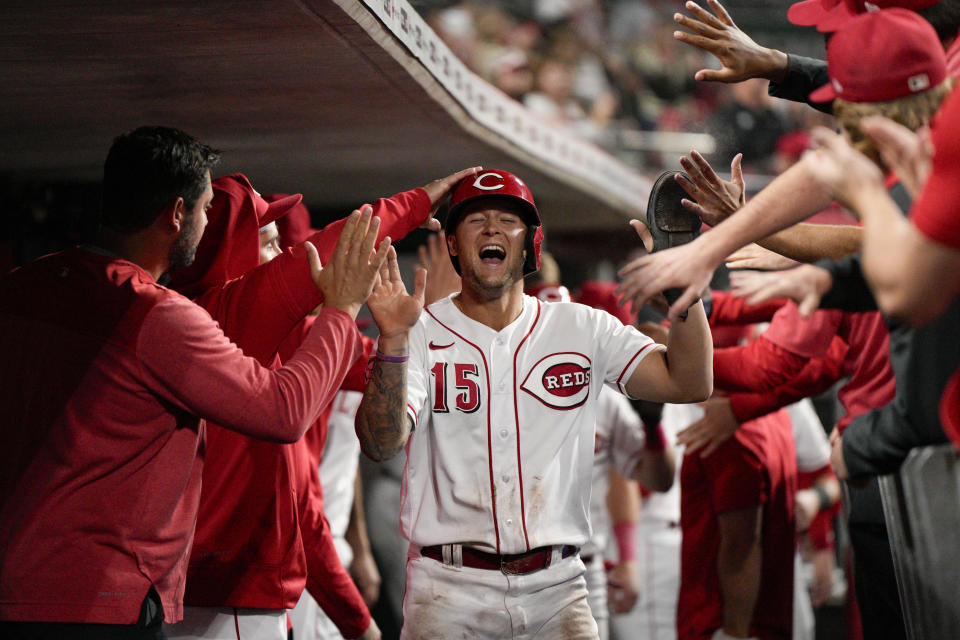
516,417
486,373
415,418
635,356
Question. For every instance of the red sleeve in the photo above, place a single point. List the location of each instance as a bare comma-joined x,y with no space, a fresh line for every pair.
187,359
729,309
327,580
809,337
816,376
356,379
399,215
934,212
735,477
261,308
757,366
295,338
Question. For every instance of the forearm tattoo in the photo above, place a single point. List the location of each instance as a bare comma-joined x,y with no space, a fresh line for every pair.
382,423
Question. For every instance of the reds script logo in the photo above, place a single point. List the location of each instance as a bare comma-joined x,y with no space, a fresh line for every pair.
560,380
478,183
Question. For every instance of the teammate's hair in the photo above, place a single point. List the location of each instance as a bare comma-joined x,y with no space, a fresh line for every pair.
911,111
945,18
146,170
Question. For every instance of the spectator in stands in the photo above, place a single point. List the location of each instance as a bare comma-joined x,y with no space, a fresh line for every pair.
748,124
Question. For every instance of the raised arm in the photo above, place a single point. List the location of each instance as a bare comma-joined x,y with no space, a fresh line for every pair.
197,368
684,373
793,196
382,422
908,272
717,199
740,57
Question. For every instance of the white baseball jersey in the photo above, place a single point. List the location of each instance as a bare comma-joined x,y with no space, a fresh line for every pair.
501,455
617,445
338,468
813,448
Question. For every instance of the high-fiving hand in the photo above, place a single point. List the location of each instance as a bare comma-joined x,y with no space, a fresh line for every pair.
716,199
348,278
393,309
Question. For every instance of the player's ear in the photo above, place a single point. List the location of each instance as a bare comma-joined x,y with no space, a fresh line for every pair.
173,215
452,244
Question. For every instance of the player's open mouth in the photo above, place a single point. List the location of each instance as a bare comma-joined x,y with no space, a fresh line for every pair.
492,254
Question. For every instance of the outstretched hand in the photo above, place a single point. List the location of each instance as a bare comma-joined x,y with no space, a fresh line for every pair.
348,278
685,267
716,199
805,285
716,33
439,189
393,309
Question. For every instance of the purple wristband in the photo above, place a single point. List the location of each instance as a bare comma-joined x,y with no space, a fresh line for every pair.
396,359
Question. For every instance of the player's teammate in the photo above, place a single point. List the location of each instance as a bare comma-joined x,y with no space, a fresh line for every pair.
497,394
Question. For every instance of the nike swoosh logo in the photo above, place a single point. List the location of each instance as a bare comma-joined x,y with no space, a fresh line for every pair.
439,346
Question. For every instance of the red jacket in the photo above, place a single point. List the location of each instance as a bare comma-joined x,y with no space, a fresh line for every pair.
251,549
859,349
327,580
104,373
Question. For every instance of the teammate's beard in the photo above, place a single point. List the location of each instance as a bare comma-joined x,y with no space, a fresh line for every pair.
184,249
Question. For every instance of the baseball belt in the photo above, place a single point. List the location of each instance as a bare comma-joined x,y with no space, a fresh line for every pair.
510,563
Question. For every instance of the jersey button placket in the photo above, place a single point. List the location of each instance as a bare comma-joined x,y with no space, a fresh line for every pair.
505,456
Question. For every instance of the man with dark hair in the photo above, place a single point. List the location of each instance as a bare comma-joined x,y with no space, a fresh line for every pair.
147,168
107,378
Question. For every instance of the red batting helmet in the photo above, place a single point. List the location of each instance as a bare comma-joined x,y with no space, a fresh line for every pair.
495,183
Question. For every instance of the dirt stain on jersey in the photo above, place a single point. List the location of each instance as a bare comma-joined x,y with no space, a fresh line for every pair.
534,500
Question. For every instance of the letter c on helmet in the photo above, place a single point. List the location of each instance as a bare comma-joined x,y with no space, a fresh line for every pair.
478,183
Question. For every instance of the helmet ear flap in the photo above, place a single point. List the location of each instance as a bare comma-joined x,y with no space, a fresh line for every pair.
455,260
533,246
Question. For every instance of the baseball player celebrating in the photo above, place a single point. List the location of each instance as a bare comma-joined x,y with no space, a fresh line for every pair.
494,395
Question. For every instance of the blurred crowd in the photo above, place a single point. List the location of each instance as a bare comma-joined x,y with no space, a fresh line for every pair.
604,69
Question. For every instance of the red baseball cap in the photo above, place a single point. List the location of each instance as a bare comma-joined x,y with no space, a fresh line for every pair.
912,5
602,295
830,15
882,55
550,293
809,13
239,190
295,226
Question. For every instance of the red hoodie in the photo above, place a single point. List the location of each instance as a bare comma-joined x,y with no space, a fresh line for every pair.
327,580
859,348
251,548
